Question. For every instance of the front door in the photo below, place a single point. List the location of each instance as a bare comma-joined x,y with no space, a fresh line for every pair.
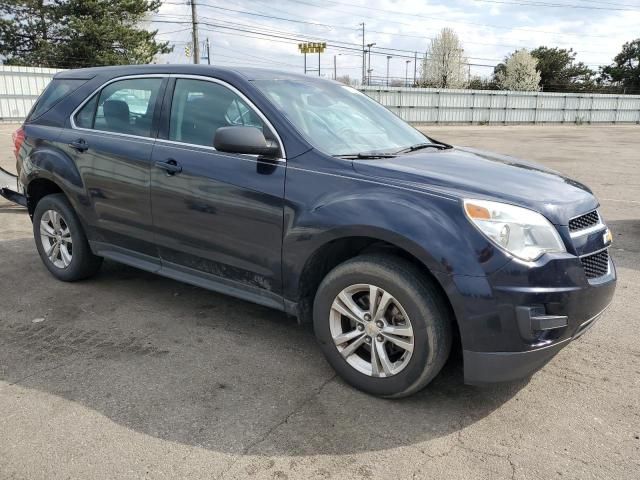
217,216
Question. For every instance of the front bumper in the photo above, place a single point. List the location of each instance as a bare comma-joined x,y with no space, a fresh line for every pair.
498,342
492,367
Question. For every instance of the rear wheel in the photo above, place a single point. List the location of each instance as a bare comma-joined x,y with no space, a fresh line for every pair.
382,325
61,241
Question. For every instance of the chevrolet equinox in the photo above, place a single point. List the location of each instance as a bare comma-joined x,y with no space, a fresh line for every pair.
307,196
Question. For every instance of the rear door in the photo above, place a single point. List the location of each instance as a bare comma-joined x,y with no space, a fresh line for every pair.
218,216
111,139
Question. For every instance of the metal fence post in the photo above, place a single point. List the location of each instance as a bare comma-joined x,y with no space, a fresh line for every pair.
615,115
506,104
438,108
535,112
473,106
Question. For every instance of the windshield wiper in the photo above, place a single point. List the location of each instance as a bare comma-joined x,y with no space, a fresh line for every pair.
420,146
367,155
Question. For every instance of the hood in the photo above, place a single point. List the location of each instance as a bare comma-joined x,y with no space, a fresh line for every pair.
470,173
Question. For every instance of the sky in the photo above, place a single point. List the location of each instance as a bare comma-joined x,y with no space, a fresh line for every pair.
488,29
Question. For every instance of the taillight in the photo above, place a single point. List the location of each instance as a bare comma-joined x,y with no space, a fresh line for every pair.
18,140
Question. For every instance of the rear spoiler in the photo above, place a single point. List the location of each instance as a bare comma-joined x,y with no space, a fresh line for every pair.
9,188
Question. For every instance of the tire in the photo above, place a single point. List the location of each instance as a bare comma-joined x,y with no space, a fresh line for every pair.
418,298
73,260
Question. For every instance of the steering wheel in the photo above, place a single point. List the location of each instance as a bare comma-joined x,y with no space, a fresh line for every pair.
322,124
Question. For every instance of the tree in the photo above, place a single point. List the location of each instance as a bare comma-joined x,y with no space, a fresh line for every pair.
77,33
626,67
444,65
559,70
518,72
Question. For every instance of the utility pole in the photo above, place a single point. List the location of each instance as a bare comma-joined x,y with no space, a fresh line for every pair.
335,66
369,45
389,57
415,67
194,24
406,72
208,52
364,73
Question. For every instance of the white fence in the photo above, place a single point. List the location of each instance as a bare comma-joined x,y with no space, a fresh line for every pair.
430,105
20,86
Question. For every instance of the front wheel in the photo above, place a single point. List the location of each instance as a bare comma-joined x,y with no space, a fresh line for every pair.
61,241
382,325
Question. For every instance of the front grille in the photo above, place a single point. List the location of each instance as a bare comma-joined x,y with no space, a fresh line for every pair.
596,265
584,221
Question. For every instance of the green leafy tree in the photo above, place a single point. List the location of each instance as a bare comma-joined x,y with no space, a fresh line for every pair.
626,67
559,70
77,33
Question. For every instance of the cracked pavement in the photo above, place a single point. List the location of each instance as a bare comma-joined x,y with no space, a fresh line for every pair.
131,375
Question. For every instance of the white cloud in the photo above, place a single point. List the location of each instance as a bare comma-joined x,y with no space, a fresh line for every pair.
489,32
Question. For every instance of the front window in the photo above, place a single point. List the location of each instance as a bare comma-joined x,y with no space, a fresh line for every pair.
339,120
199,108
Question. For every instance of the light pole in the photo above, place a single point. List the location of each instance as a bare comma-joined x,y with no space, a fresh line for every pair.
389,57
406,73
369,45
335,68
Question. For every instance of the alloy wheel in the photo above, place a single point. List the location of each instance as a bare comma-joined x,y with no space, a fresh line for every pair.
55,236
371,330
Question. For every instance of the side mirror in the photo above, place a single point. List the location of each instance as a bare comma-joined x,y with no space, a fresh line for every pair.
247,140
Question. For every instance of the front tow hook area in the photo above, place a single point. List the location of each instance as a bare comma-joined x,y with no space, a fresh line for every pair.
532,321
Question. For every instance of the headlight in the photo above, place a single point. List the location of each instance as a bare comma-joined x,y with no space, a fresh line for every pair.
521,232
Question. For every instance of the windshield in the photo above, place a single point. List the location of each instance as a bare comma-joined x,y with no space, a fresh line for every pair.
339,120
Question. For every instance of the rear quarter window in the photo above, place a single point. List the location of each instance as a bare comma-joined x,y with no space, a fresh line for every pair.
55,91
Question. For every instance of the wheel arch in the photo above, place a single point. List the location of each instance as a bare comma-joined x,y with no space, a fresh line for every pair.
333,252
37,189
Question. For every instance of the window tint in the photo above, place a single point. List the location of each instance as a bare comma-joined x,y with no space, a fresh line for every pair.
125,106
199,108
84,118
55,91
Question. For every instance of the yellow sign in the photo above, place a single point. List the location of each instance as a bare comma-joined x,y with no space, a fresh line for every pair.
312,47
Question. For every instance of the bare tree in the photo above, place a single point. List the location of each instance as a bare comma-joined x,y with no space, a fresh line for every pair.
445,64
519,72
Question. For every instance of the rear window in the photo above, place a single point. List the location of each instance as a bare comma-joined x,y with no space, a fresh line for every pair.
55,91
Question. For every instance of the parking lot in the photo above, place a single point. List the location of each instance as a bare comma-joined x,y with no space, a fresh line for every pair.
131,375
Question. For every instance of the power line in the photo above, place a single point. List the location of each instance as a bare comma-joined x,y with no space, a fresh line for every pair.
555,5
430,17
301,38
351,29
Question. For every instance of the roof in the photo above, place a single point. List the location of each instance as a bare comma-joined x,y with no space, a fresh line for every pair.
247,73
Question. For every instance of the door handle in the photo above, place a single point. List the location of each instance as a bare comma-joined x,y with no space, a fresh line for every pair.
79,145
170,166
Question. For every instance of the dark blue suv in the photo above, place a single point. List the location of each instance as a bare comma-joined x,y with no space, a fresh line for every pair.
305,195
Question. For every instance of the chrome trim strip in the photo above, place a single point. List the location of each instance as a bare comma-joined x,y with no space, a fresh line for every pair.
245,157
177,75
594,252
586,231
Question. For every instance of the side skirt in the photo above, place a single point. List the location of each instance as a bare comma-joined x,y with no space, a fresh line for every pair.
193,277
